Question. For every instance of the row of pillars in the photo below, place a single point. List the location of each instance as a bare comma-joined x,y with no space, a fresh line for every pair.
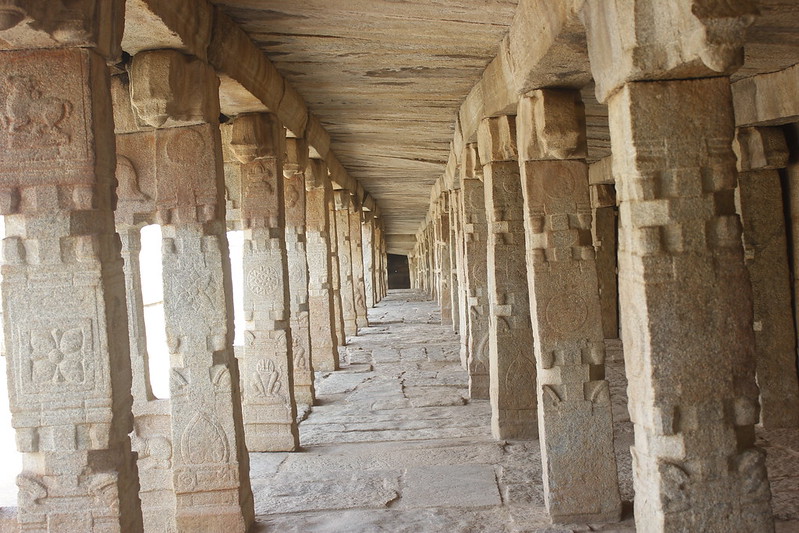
509,253
87,160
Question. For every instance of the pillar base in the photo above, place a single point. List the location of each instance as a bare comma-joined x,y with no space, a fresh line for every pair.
519,424
271,438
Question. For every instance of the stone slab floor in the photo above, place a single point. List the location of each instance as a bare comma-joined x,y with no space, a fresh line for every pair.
395,446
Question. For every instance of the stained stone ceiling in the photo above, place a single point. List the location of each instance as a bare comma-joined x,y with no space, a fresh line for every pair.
386,78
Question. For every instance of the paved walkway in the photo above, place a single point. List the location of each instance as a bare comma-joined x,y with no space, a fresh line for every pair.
396,446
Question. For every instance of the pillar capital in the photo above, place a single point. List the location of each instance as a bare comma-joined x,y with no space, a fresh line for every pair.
760,149
171,89
258,136
654,40
551,126
296,160
316,177
470,168
97,24
496,139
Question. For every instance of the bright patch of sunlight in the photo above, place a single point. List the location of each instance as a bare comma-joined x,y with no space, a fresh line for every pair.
236,245
152,288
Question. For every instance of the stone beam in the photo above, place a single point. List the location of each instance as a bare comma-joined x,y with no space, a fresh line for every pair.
768,99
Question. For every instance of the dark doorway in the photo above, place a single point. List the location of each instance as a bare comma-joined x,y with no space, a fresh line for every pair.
399,276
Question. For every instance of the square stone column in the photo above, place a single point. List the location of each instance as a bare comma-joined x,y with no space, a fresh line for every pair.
686,300
338,314
258,141
347,291
761,152
574,411
209,460
455,257
604,229
294,169
443,263
64,312
475,249
318,193
358,275
152,428
511,357
367,237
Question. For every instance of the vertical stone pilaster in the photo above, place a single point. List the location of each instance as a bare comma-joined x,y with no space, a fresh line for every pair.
338,313
64,311
475,237
511,358
574,411
209,462
258,141
347,291
761,152
294,194
684,291
358,276
319,237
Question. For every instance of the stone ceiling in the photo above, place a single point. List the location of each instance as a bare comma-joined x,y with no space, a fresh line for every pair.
386,78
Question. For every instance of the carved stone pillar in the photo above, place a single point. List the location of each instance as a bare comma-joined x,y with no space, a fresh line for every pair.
761,152
152,426
64,312
684,290
358,276
444,266
347,292
574,412
368,236
209,460
318,193
511,358
335,271
475,248
258,141
454,259
294,172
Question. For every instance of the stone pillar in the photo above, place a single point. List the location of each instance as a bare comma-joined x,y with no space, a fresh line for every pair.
343,202
684,290
358,276
294,194
511,358
574,412
258,141
456,208
318,193
603,229
383,256
475,248
454,260
151,438
367,237
444,270
335,271
761,152
209,463
64,313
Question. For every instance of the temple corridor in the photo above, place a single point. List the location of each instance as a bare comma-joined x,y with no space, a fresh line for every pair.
396,445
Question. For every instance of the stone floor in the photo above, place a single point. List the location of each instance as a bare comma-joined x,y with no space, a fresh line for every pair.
395,446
